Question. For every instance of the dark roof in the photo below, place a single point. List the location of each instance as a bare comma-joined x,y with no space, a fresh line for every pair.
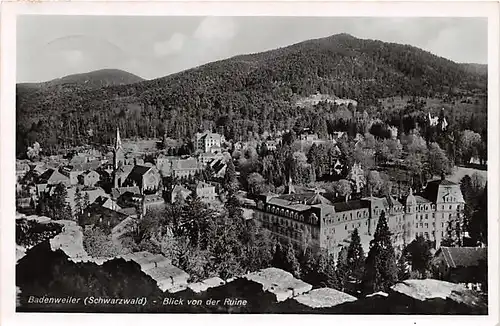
102,217
117,192
431,191
101,200
52,175
218,166
138,171
350,205
128,211
463,256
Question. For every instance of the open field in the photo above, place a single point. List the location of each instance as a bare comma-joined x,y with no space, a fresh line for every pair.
459,172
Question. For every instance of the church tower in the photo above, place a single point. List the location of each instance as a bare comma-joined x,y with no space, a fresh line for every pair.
118,157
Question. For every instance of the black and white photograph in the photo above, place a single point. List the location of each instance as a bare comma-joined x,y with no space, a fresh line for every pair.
252,165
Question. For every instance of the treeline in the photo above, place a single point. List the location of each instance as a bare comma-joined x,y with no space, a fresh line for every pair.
241,95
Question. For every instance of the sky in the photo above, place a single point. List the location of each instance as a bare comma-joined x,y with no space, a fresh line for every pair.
50,47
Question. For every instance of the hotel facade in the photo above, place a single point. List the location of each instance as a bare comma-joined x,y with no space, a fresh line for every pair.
309,218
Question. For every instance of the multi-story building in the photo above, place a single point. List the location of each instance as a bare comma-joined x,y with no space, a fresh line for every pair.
310,218
185,168
205,141
206,191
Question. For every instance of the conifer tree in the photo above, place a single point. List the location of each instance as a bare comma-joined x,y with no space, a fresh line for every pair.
284,258
342,270
78,203
403,273
326,270
86,200
380,268
355,258
230,183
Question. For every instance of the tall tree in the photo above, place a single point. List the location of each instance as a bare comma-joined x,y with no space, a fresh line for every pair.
478,228
285,258
418,253
355,258
380,269
78,203
59,206
230,182
342,270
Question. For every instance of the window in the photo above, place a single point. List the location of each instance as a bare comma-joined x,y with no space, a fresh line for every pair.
426,216
450,207
346,226
426,225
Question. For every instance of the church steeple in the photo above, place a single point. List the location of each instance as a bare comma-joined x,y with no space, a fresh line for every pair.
118,158
118,143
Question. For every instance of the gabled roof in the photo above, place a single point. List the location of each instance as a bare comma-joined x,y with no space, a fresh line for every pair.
117,192
52,176
463,256
101,200
101,216
390,201
137,173
432,190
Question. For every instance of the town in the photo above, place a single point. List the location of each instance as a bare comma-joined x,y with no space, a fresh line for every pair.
326,207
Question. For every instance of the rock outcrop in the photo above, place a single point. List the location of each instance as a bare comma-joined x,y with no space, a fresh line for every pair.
206,284
429,289
70,241
324,298
279,282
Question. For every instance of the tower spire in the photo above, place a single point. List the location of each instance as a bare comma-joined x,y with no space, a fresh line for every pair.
118,139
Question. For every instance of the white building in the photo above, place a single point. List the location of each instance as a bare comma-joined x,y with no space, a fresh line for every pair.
207,140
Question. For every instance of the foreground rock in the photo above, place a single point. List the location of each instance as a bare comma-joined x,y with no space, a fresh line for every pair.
69,239
279,282
429,289
324,298
210,283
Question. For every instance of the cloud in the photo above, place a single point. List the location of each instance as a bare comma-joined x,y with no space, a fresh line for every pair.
216,28
173,45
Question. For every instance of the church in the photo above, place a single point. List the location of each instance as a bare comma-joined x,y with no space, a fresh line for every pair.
145,177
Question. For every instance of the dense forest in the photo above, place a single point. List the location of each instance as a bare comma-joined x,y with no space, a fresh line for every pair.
250,94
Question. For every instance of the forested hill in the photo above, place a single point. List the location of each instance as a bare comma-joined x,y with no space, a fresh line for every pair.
93,79
476,68
254,92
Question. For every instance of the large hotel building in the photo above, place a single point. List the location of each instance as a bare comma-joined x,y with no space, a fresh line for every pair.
309,217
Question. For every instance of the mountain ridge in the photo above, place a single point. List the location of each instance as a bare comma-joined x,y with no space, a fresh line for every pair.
93,79
252,92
